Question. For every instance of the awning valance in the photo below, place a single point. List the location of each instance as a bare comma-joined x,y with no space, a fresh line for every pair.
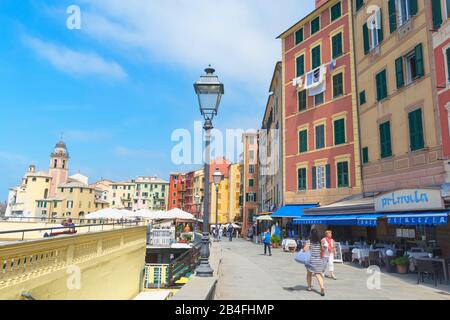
292,211
420,218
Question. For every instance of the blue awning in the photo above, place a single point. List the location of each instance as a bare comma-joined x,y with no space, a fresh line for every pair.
292,211
363,220
419,218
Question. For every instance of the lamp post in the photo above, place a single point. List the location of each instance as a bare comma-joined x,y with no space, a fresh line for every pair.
217,178
209,91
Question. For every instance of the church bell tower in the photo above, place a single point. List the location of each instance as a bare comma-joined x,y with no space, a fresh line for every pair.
59,166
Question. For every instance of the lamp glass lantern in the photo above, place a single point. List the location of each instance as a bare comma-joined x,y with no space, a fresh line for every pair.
209,91
217,177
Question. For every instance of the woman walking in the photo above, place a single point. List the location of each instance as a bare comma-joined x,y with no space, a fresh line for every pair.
315,266
329,252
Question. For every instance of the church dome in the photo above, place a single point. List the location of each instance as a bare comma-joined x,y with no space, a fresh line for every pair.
60,150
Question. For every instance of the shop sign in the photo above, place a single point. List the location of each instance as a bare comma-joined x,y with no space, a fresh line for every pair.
409,200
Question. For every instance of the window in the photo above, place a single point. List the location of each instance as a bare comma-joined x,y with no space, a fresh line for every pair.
400,12
336,11
338,85
321,177
365,155
373,34
385,140
55,163
69,204
252,155
251,140
251,183
416,130
316,59
336,42
320,137
319,99
359,4
300,62
299,36
413,62
315,25
381,85
362,98
342,175
251,168
64,164
303,141
301,178
339,132
302,100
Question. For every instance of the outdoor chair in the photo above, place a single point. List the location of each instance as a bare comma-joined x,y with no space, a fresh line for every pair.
374,258
430,268
399,253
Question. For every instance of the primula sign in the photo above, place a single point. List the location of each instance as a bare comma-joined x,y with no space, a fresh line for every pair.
409,199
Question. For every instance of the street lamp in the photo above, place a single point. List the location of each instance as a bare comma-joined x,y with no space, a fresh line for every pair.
217,178
209,91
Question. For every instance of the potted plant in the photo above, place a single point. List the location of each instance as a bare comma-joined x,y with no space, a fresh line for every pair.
402,264
276,241
187,237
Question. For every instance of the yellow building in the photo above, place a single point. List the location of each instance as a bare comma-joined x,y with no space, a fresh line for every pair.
223,202
122,195
399,123
234,192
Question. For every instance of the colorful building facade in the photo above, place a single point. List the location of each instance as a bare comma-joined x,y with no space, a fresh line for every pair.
320,137
176,190
249,179
151,194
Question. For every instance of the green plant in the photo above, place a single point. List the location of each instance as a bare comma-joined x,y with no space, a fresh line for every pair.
275,239
400,261
187,237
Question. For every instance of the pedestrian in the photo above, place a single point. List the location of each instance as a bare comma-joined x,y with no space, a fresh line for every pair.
267,242
315,266
328,253
230,232
220,233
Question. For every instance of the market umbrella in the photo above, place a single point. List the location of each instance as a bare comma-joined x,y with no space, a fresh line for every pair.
178,214
264,218
107,213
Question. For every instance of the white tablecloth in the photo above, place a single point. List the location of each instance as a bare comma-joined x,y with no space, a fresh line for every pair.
360,254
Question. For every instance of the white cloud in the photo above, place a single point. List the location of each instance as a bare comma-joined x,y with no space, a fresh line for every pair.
84,136
136,153
237,37
13,157
74,63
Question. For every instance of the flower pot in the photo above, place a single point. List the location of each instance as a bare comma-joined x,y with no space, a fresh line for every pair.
275,245
402,269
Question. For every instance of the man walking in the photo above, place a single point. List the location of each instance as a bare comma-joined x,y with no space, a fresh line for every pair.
230,232
267,242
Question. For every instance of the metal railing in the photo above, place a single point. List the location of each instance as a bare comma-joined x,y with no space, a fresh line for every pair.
55,231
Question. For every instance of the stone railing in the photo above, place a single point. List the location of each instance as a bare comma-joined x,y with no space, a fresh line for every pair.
28,264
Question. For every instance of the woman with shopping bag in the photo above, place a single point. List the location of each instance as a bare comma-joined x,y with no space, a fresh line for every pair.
315,264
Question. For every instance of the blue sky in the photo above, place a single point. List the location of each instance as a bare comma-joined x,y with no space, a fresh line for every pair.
118,87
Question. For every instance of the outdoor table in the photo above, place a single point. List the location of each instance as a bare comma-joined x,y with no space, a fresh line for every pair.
360,253
443,261
413,256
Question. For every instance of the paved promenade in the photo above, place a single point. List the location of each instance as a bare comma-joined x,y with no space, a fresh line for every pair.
245,273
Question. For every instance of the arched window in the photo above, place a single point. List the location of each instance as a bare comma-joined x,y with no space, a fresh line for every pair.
55,163
64,164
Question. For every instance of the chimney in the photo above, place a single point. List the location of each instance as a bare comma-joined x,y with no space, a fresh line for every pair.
320,2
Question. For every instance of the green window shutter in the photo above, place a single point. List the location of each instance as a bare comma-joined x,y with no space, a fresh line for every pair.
359,4
416,130
315,25
399,72
320,137
339,132
385,140
328,176
413,7
337,45
303,141
302,179
314,178
381,85
448,63
300,66
343,179
316,57
302,100
365,155
299,36
380,31
392,16
335,11
366,38
419,60
338,87
437,13
362,98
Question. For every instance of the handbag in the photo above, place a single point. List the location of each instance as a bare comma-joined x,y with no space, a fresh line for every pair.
303,257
